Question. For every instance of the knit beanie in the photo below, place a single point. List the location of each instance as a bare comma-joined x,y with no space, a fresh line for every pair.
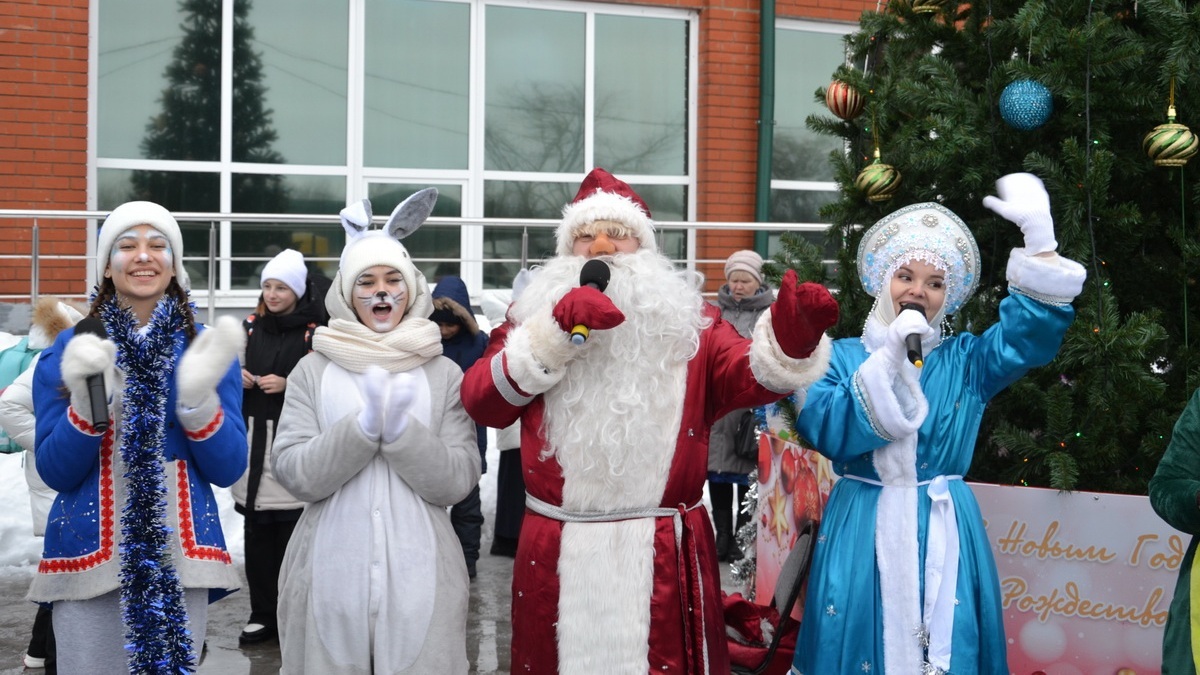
132,214
745,261
289,268
603,196
371,249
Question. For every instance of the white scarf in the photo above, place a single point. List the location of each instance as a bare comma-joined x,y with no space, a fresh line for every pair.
354,347
910,625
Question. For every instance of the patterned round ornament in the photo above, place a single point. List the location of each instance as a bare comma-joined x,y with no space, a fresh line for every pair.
1026,104
843,100
878,181
1170,144
927,6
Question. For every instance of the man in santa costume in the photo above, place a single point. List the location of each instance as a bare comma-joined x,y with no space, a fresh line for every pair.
616,569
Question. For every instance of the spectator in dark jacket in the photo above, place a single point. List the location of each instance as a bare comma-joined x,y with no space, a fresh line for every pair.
463,343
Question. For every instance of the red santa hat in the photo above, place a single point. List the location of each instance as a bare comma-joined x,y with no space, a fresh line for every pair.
603,196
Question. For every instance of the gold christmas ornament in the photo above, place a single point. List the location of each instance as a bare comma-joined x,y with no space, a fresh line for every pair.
843,100
927,6
1170,144
878,181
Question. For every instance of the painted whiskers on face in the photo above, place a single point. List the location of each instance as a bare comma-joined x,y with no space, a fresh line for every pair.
380,298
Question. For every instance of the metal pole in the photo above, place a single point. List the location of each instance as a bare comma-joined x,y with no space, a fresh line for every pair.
212,271
33,264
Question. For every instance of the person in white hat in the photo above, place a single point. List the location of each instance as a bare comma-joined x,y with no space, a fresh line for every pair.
278,334
901,436
616,568
374,437
133,548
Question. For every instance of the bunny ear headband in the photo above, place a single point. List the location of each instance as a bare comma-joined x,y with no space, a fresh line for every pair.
406,218
367,248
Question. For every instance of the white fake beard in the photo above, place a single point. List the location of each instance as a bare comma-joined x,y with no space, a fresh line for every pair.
613,419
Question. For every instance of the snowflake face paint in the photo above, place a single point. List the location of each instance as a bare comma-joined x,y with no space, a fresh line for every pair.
141,263
380,298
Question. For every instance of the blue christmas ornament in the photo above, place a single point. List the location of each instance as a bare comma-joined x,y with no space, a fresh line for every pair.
1026,104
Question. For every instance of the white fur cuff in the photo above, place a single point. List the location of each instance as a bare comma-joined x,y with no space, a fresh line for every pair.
779,372
536,353
1054,280
874,386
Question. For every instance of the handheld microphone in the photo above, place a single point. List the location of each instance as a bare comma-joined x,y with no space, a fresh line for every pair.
95,382
912,341
595,273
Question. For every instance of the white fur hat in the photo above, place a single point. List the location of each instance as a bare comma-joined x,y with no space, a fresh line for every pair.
367,248
132,214
289,268
603,196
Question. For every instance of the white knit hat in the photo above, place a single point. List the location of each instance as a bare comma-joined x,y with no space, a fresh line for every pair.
132,214
603,196
289,268
367,248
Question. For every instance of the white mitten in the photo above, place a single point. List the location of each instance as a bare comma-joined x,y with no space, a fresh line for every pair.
1023,201
905,324
86,355
207,360
401,392
373,388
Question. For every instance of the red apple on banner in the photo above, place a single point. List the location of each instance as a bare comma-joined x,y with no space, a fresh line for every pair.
806,498
789,467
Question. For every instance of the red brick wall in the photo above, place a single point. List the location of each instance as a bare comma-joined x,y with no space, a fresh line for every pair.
43,143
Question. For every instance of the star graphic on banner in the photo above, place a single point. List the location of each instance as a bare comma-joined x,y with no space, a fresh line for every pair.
777,503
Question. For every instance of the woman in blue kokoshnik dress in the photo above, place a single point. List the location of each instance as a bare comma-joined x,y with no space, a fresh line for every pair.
903,579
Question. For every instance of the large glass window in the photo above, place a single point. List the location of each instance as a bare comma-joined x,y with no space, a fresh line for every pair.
640,112
289,81
535,92
299,106
802,181
159,80
416,99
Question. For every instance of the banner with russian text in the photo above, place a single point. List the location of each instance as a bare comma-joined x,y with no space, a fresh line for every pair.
1086,579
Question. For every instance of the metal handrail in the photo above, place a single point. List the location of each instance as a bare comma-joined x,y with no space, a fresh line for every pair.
215,219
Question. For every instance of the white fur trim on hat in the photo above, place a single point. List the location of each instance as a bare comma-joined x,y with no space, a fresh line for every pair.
132,214
289,268
604,206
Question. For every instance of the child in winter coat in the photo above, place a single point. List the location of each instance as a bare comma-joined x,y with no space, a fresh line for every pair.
133,549
374,437
278,334
463,343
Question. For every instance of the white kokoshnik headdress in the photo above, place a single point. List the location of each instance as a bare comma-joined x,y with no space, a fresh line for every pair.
928,232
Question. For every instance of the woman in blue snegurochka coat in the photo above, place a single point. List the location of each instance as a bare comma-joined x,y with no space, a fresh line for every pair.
134,550
903,579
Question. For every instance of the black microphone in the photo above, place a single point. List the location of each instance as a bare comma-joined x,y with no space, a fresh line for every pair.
95,382
912,341
595,273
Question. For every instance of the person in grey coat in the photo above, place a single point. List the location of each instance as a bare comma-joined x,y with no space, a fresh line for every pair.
374,437
741,300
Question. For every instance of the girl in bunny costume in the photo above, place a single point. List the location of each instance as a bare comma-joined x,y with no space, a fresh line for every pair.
374,436
903,579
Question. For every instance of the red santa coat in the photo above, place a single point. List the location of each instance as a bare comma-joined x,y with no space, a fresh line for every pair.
686,631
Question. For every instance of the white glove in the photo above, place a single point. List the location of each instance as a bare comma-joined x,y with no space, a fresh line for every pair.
206,361
906,323
86,355
400,398
373,387
1023,201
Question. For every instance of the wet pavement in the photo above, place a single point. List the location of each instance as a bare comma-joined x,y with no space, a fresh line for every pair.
488,628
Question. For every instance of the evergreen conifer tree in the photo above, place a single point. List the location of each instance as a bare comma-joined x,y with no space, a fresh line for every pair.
1098,418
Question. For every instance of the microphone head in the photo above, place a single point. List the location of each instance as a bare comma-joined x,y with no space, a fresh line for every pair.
596,273
93,326
913,306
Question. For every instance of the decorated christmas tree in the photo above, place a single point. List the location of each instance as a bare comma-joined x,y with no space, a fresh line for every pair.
942,99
